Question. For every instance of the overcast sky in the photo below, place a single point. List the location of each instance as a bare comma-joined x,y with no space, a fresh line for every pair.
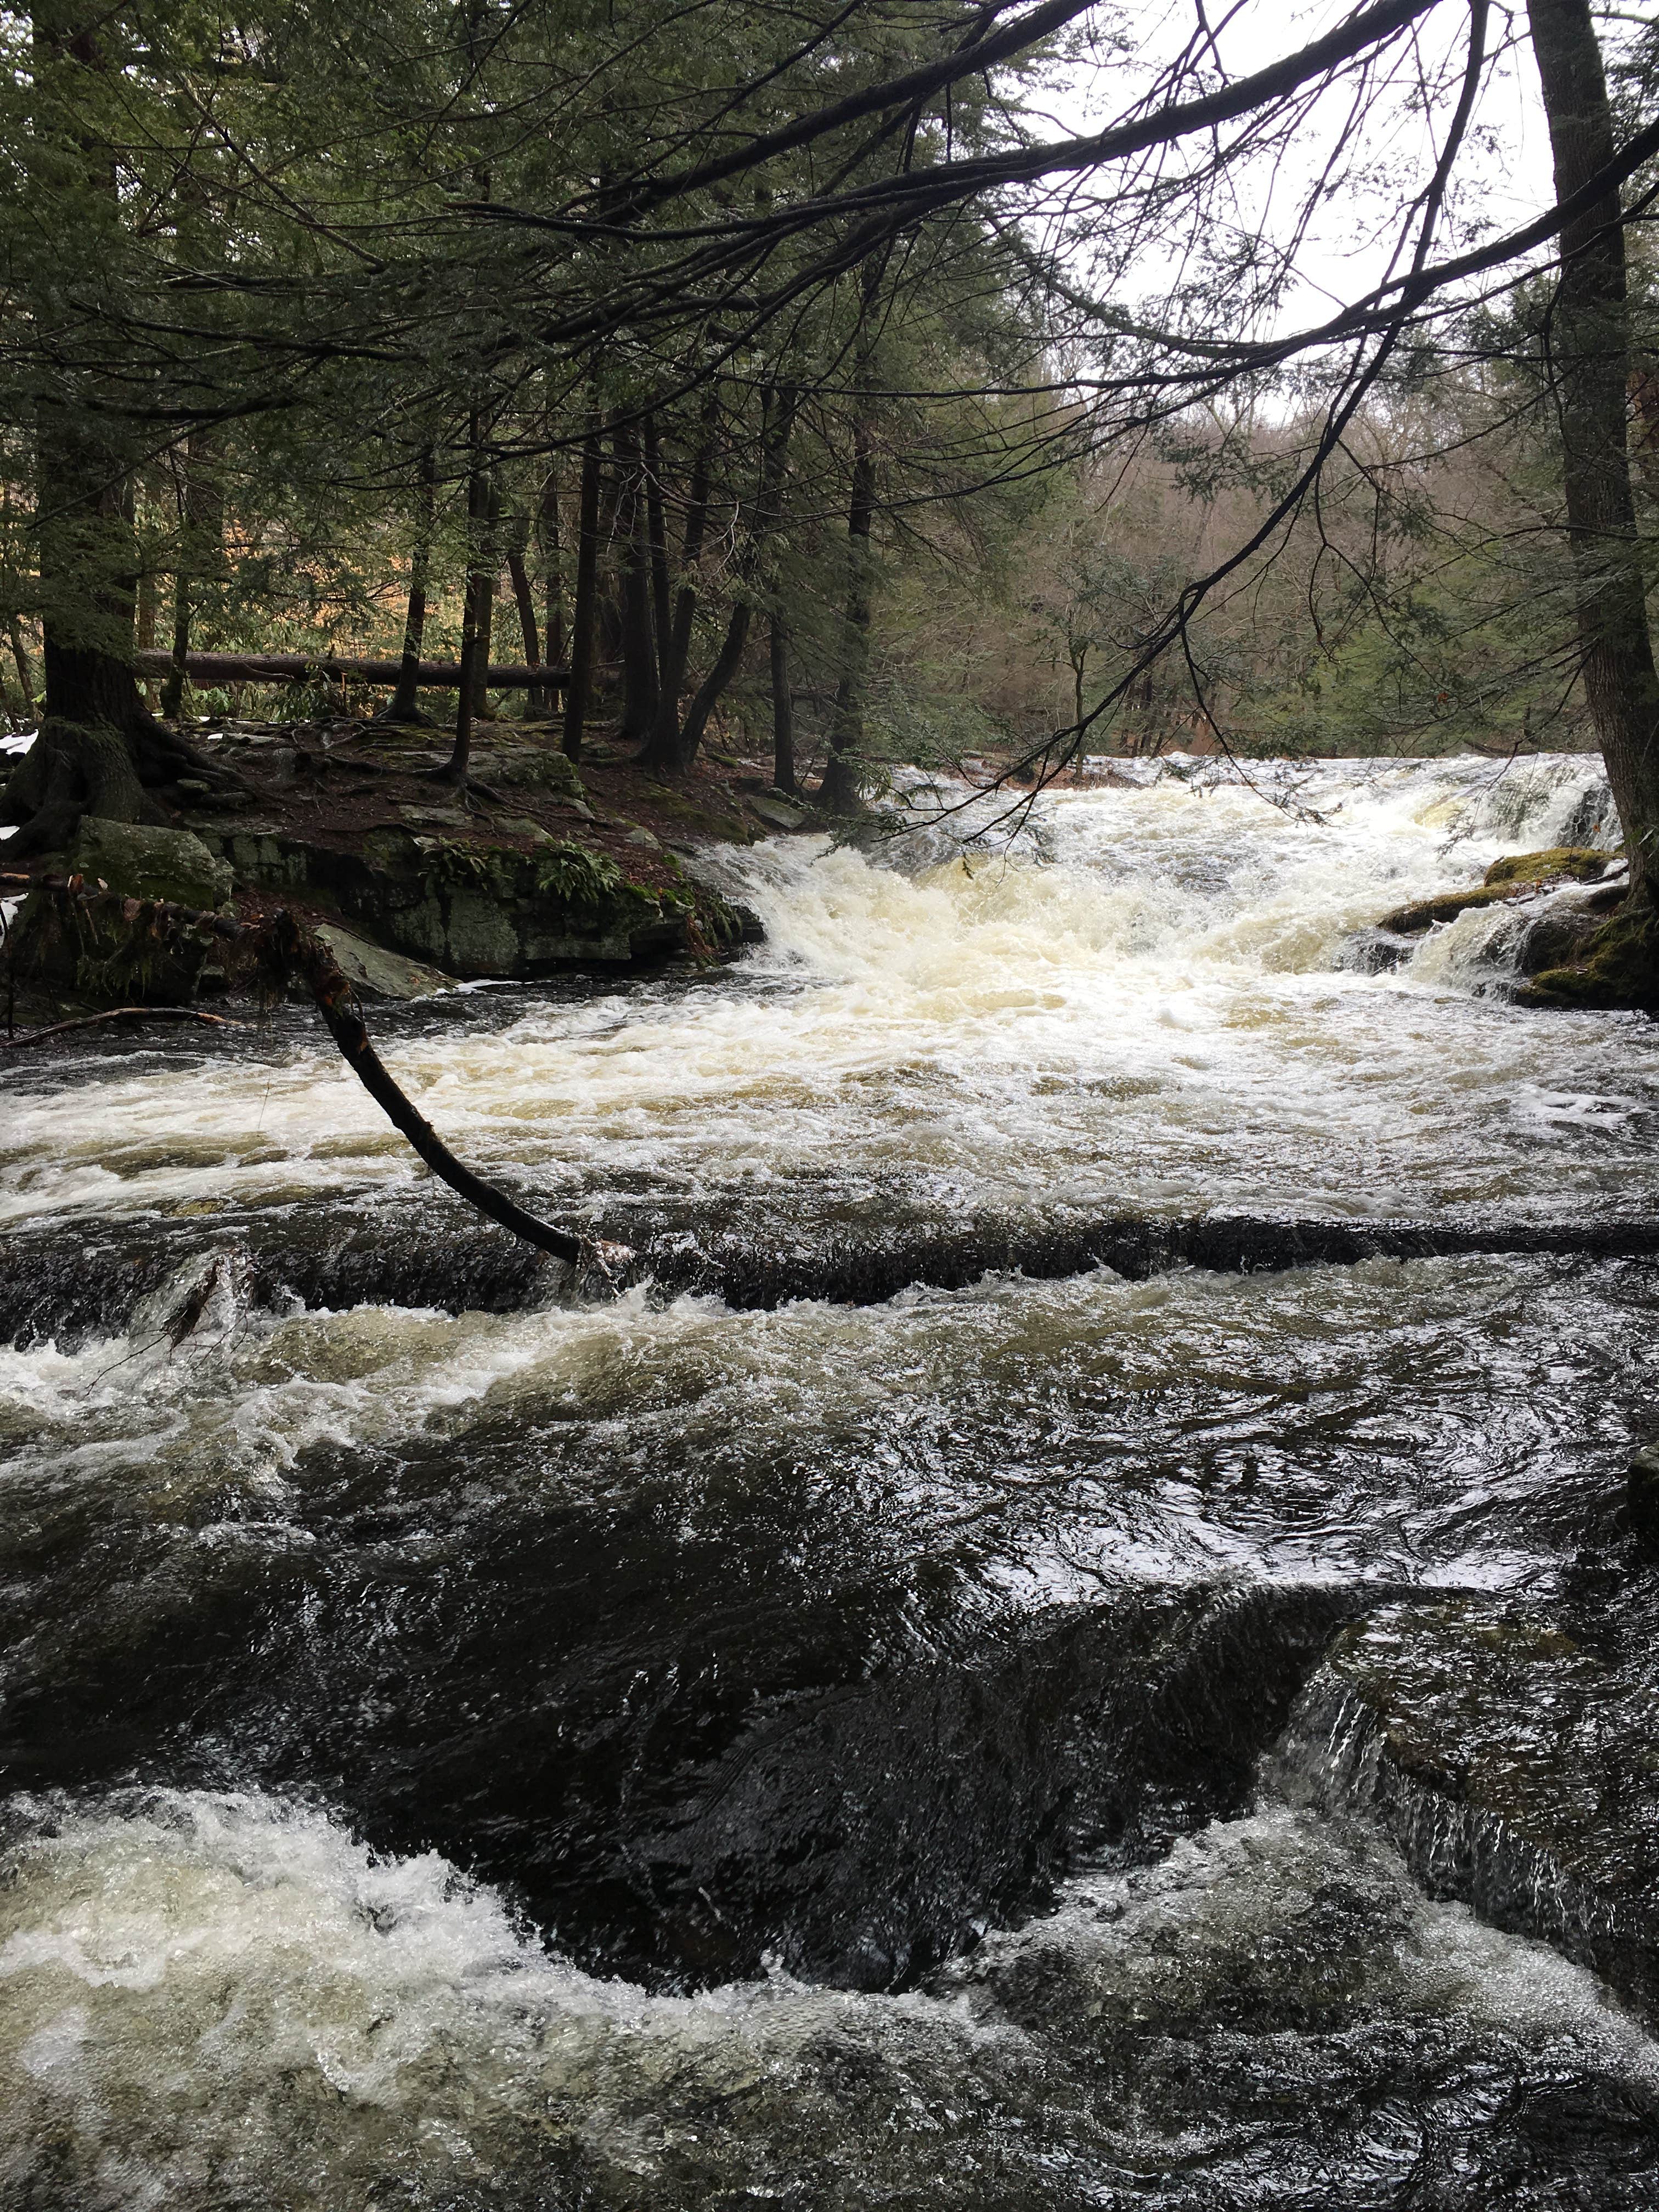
1503,172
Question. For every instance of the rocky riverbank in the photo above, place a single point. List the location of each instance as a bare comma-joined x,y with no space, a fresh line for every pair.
537,868
1565,936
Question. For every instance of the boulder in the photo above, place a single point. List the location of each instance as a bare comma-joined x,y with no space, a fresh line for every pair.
150,864
468,908
1559,864
374,973
1509,1748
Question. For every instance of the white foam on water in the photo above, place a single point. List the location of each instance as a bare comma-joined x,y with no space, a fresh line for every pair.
1149,1018
227,2000
1054,1440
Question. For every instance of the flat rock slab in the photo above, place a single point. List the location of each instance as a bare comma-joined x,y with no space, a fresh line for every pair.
777,813
1512,1751
377,973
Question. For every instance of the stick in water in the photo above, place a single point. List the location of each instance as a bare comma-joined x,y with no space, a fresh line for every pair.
124,1014
310,959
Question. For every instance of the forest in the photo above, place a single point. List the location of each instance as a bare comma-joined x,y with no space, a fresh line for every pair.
829,1345
790,375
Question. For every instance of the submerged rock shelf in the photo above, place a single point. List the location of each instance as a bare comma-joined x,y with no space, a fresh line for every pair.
1512,1752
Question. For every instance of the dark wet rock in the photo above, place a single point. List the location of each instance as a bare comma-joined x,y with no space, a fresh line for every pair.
1613,964
1509,1749
1376,951
368,1248
1642,1500
683,1742
865,1266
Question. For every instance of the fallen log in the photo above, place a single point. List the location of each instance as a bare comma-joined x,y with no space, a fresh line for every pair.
295,667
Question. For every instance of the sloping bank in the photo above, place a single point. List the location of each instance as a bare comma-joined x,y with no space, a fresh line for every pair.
404,912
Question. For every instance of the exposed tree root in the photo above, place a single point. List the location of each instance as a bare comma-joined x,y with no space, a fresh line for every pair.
74,768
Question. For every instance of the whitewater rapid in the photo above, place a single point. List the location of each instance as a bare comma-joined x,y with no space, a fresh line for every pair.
511,1751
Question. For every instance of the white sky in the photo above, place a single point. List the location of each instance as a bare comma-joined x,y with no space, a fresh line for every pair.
1503,172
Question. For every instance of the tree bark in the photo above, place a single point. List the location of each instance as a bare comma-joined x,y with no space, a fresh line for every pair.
727,662
658,531
839,789
404,705
1590,337
20,654
100,749
588,586
480,579
484,617
662,748
547,541
641,682
783,708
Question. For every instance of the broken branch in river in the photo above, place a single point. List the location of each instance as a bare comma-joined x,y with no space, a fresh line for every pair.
282,947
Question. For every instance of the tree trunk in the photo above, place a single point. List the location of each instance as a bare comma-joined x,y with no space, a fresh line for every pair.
173,688
588,586
783,709
480,582
727,662
525,599
641,683
658,530
404,704
547,538
662,748
484,617
20,654
839,789
1590,348
100,749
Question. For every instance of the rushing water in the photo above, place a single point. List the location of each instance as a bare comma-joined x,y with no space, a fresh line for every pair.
476,1746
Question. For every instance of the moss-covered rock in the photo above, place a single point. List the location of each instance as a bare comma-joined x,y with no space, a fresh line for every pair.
64,953
1445,906
1577,864
1518,875
1616,964
148,863
472,908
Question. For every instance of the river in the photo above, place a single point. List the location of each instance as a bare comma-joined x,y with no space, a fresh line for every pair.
475,1745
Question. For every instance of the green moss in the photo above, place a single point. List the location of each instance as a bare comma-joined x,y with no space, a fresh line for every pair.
1578,863
1620,967
1446,906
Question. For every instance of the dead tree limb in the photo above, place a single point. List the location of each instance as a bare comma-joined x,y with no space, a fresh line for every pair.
123,1014
295,667
300,953
282,947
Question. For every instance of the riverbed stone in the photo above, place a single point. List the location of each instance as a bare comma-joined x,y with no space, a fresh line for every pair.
375,973
1511,1749
149,863
778,813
